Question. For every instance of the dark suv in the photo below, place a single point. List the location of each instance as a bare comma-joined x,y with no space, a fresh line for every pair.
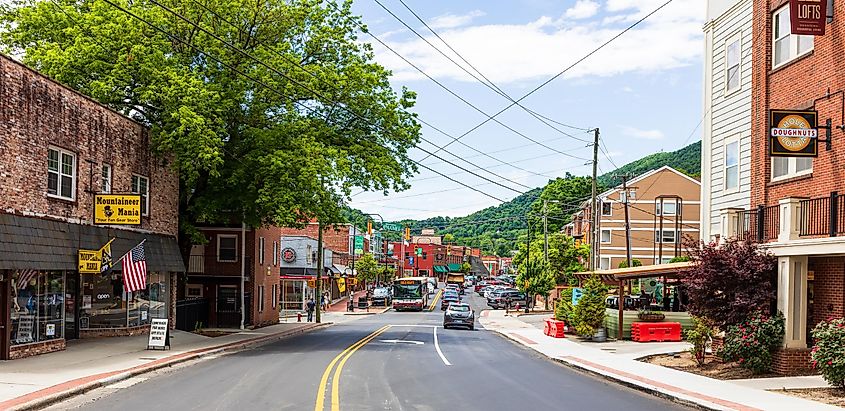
507,298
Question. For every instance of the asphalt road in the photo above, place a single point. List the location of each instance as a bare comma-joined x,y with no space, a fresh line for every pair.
396,366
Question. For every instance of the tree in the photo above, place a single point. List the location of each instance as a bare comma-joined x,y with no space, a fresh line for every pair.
275,128
565,256
589,313
730,282
466,268
536,278
449,238
634,262
367,268
565,196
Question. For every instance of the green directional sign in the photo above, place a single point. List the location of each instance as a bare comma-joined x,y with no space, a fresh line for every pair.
391,227
359,245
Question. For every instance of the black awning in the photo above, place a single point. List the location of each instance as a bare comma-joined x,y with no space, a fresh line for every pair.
38,243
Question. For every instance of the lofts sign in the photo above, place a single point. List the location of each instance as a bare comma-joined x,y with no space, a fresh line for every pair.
793,133
808,17
124,209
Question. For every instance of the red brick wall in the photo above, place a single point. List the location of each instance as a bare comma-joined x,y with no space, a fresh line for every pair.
335,238
791,362
36,112
265,275
829,288
28,350
796,86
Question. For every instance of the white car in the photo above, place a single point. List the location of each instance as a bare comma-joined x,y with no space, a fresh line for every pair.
492,289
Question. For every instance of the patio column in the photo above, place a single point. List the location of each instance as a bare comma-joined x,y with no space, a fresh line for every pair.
730,226
790,219
792,299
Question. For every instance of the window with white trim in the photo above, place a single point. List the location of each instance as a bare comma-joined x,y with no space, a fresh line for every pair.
275,253
604,263
273,298
632,195
61,173
733,54
606,208
605,236
668,236
105,178
669,208
261,250
260,298
141,185
227,248
786,46
788,167
731,165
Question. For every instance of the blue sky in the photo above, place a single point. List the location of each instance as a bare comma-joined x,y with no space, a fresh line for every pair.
643,91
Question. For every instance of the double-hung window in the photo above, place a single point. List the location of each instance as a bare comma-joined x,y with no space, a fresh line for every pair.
787,46
787,167
141,185
733,54
105,179
261,250
61,173
275,253
606,208
732,165
668,236
227,248
605,236
668,208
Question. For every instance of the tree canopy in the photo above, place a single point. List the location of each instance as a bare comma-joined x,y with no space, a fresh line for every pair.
272,111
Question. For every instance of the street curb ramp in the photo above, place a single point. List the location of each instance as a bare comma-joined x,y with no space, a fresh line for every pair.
60,392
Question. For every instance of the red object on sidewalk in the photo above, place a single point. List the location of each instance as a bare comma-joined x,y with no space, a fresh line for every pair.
647,332
554,328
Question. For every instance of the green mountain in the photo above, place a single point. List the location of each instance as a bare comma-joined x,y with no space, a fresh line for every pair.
498,229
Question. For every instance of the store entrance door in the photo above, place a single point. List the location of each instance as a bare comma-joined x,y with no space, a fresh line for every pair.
4,318
71,306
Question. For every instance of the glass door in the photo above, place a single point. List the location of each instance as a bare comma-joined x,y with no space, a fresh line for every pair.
71,306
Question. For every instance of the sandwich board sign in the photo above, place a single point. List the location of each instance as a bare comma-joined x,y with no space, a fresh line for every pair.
159,334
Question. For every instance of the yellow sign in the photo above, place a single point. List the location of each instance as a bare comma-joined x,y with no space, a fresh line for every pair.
341,285
117,209
89,261
312,283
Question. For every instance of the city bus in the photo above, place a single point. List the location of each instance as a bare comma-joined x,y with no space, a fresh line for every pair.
410,293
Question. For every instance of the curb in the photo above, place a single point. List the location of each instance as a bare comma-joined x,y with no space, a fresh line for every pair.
60,392
676,398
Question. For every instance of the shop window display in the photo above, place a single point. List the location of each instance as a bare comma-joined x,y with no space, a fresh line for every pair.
37,306
105,305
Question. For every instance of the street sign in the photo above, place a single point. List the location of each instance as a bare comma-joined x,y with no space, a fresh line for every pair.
418,251
391,227
411,260
341,285
312,283
117,209
359,244
577,293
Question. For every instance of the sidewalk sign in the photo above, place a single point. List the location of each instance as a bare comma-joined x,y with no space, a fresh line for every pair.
159,334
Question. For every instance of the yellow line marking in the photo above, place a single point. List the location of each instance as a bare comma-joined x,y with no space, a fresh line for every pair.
321,391
434,303
337,371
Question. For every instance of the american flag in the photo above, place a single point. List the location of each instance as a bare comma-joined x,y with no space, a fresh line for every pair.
135,269
25,276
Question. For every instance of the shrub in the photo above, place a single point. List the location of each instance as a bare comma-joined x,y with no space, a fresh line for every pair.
635,263
679,259
588,315
563,310
698,335
752,342
829,352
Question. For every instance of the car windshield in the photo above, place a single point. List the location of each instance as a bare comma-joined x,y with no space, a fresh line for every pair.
459,308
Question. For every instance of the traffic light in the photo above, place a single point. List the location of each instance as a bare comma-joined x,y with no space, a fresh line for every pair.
407,233
369,227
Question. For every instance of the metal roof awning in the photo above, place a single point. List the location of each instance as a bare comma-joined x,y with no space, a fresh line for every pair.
441,269
454,268
670,270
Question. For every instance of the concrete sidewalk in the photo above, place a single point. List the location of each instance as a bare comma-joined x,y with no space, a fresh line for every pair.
87,364
680,386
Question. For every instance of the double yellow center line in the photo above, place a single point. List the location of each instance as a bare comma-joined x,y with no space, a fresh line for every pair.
434,302
342,357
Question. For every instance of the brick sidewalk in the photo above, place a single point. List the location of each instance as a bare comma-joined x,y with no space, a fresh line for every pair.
340,305
683,387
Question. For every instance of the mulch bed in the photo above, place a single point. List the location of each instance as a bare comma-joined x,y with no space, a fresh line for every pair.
832,396
713,366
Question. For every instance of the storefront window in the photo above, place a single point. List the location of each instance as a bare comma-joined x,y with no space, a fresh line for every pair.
105,305
37,306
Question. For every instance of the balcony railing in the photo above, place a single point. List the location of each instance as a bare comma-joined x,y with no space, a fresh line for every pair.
208,264
824,216
761,224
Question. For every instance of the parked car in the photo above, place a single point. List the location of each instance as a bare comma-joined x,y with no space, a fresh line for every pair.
381,296
449,298
507,298
479,286
459,315
493,289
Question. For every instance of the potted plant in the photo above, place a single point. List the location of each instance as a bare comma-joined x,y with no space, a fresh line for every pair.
645,314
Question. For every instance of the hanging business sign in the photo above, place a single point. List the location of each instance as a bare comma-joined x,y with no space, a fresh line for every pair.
118,209
90,261
288,255
793,133
808,17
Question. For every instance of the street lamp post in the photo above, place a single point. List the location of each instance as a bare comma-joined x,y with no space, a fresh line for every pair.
347,274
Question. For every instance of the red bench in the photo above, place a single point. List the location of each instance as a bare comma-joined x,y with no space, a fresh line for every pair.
648,332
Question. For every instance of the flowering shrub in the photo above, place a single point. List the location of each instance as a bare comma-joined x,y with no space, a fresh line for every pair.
751,343
829,352
698,336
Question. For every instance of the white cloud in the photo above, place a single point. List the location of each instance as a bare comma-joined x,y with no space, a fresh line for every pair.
449,21
582,9
642,134
627,89
538,49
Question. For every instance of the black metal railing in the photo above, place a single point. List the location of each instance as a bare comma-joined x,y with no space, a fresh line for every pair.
822,216
191,314
211,264
760,224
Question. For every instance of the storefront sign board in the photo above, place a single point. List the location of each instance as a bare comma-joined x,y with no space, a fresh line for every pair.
90,261
793,133
808,17
159,334
118,209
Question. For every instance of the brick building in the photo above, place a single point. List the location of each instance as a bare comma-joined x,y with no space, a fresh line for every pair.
61,148
795,206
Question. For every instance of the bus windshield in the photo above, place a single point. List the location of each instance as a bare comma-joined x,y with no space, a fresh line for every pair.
407,291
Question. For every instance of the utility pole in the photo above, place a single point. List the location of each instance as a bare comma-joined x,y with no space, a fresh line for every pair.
627,221
319,281
243,271
545,232
594,205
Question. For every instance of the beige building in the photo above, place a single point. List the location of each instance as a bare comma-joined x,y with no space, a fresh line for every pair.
664,207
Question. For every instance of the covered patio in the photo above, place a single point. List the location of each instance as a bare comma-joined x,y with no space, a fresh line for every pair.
666,282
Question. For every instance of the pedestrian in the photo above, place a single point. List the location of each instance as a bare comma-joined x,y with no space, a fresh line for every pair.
323,301
310,309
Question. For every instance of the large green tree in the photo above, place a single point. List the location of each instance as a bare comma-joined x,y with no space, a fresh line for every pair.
562,197
277,126
565,256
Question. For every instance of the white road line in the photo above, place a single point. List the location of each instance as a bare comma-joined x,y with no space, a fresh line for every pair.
439,352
